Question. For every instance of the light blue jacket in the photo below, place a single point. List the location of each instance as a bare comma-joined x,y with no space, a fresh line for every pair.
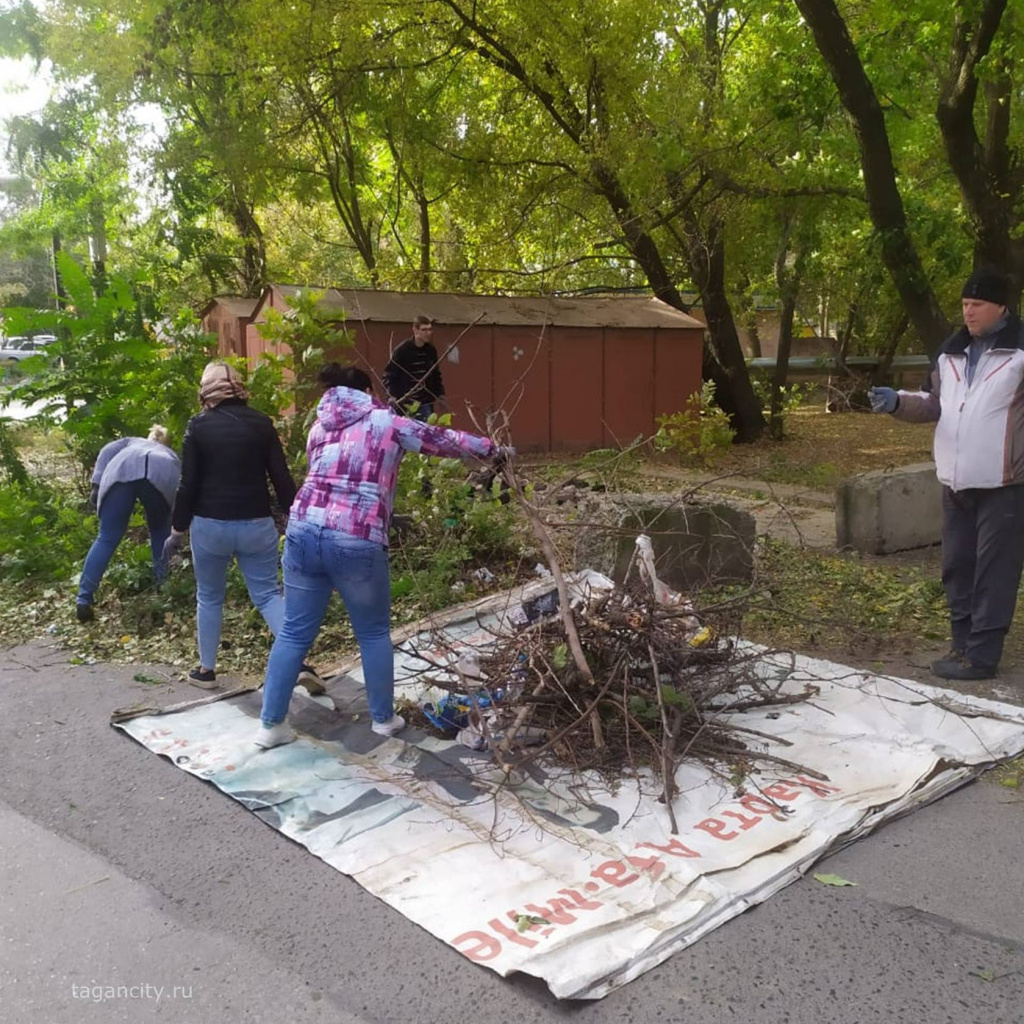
135,458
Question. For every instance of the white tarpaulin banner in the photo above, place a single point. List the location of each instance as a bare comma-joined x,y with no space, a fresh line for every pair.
573,880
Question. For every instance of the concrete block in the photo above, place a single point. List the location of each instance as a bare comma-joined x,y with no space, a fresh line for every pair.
694,543
889,510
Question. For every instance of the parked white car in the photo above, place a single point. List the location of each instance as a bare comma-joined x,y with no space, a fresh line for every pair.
14,350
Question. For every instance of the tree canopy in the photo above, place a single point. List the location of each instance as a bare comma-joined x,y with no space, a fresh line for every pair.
851,160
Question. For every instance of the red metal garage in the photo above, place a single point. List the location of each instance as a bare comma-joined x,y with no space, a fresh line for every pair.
226,317
574,373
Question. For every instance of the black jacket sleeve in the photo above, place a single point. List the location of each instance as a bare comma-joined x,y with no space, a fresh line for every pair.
392,385
398,381
277,469
188,485
434,384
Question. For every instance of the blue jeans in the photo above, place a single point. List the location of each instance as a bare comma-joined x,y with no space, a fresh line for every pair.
253,542
318,561
424,412
115,511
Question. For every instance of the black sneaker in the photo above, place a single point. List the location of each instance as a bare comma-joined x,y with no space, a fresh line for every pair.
310,679
205,679
960,667
84,612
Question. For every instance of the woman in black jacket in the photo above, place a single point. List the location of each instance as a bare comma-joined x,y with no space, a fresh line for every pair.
228,452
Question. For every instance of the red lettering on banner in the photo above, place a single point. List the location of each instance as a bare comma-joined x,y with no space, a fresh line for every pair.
745,820
581,901
510,933
563,911
614,872
486,947
817,788
555,912
715,828
758,805
674,848
526,926
780,791
649,865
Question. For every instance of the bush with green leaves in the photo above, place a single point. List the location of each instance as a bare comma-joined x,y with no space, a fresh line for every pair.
793,395
110,373
698,433
45,530
284,386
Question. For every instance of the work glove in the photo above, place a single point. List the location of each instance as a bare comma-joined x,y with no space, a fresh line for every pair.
94,497
883,399
503,453
172,546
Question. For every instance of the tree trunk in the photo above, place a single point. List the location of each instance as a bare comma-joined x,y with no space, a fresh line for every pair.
880,374
750,319
781,373
746,418
424,208
253,273
59,294
984,172
789,264
706,259
884,202
846,335
98,245
732,381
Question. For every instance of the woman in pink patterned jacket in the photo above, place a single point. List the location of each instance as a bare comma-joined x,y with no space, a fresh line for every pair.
337,539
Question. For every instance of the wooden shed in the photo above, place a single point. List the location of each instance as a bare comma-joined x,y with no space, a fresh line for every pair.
575,373
227,317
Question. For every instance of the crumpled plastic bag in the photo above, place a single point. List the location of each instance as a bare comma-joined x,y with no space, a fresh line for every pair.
663,593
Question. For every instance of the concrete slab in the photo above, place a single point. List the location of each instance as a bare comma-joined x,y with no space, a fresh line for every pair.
694,542
889,510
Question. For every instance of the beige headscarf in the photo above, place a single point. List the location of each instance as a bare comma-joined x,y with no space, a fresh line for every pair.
220,381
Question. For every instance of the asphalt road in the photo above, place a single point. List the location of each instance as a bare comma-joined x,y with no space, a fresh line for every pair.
119,870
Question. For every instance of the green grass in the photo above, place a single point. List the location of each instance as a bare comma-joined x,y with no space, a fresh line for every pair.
806,600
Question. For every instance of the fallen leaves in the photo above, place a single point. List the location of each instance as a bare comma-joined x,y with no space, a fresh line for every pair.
835,880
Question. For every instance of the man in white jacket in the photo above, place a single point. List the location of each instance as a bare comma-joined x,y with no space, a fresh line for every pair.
975,395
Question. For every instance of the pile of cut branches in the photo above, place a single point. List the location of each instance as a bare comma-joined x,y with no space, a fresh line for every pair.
631,678
653,689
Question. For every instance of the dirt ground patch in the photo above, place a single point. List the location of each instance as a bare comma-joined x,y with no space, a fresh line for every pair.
821,448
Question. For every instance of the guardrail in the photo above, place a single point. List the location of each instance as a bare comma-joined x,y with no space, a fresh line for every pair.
829,364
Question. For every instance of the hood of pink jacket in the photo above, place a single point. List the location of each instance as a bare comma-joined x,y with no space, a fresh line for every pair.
341,407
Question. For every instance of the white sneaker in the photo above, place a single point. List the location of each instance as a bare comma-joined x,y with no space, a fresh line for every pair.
275,736
395,724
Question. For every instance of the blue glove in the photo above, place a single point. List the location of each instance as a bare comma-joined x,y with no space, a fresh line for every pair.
883,399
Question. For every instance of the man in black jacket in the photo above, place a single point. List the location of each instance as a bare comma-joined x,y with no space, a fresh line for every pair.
413,374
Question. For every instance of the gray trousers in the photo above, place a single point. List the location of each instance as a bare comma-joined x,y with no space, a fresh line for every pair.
982,556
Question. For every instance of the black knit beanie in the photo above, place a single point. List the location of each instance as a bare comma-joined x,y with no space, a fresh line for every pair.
988,285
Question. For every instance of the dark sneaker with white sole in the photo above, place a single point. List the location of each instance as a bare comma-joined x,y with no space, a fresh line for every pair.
205,679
